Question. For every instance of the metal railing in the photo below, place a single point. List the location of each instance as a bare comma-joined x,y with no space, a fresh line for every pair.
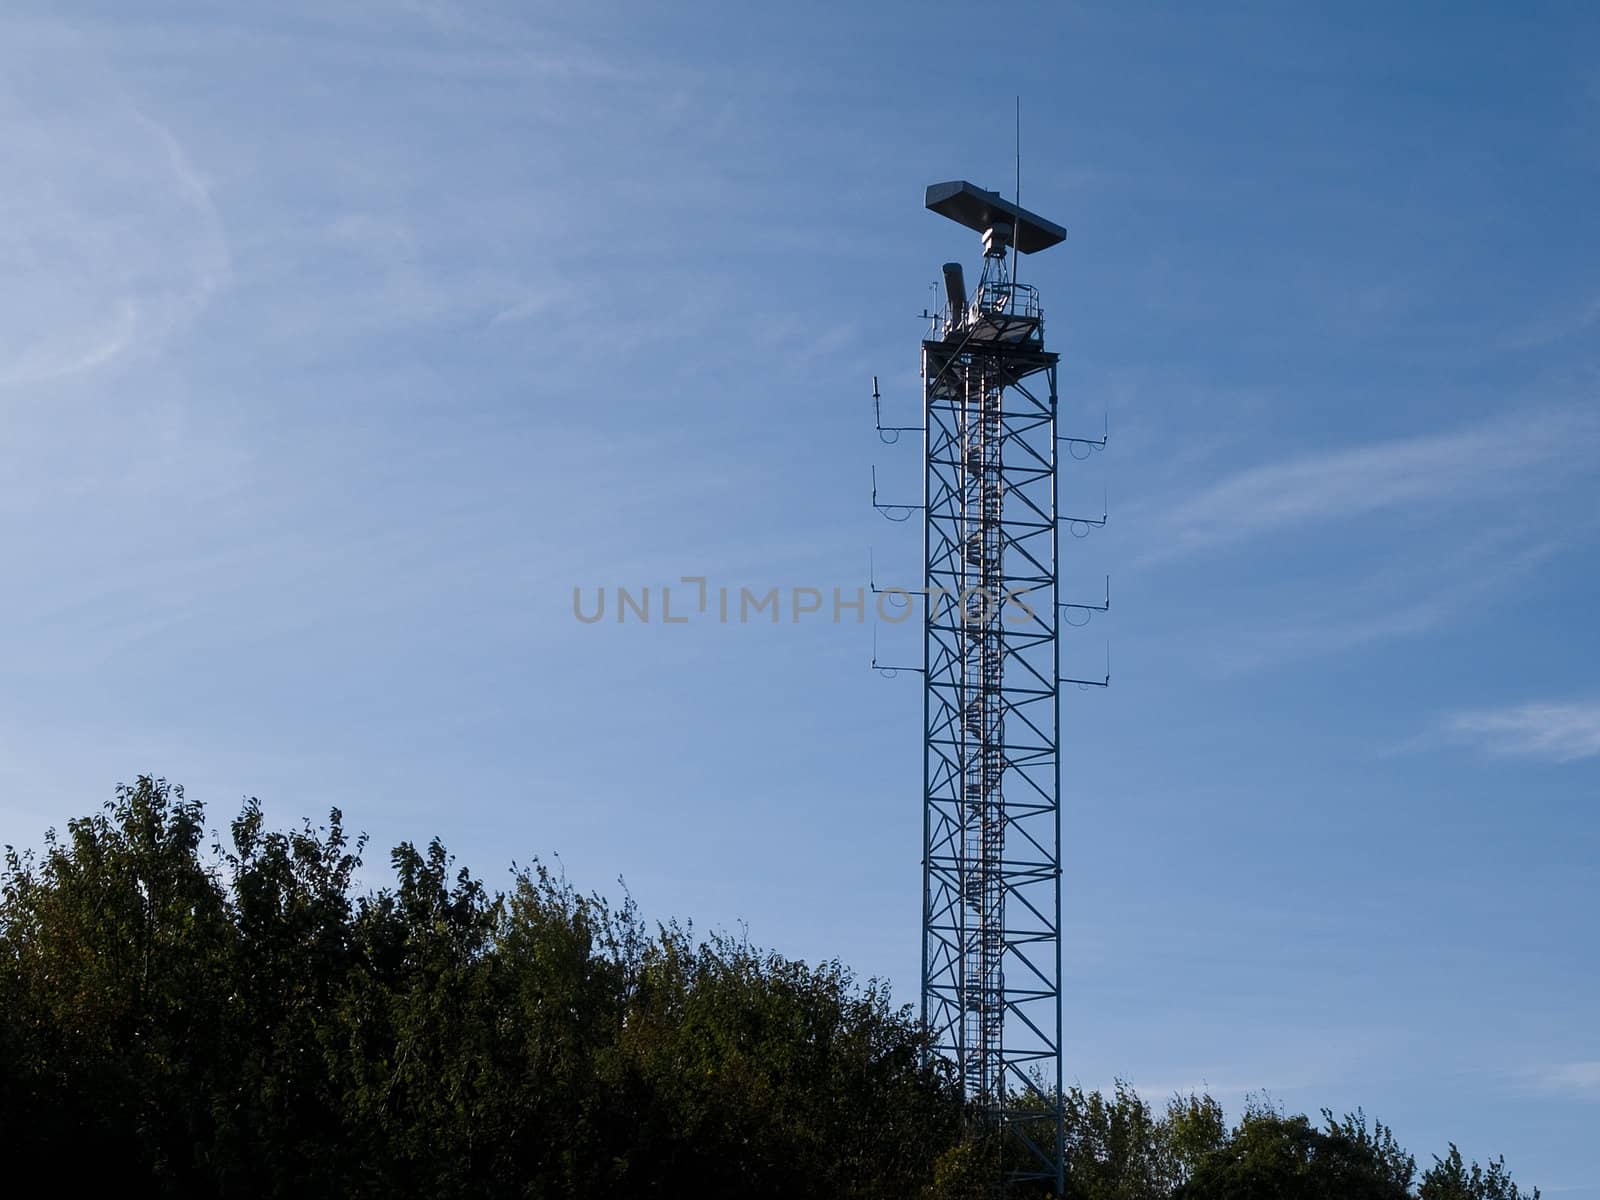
992,298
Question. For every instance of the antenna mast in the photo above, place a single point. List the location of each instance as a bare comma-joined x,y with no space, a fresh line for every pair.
991,679
1019,183
991,914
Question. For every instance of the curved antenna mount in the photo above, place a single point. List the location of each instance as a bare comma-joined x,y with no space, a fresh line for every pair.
1088,610
1089,683
892,512
1088,445
884,669
877,419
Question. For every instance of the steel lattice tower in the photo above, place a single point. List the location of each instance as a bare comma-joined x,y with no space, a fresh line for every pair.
991,961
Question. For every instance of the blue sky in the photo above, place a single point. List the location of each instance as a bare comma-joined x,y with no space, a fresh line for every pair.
339,343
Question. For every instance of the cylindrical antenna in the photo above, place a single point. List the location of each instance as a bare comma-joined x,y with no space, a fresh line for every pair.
1014,232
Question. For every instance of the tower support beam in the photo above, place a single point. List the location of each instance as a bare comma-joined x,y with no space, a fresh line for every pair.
991,933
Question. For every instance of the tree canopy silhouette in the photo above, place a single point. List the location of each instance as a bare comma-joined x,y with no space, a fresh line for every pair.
238,1020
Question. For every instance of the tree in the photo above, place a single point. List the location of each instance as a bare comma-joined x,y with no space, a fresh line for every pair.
1451,1179
1115,1147
1194,1128
115,948
1274,1157
239,1022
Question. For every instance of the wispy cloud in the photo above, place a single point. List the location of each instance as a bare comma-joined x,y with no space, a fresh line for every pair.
1573,1079
1405,472
1559,732
1556,327
1332,632
108,233
1407,598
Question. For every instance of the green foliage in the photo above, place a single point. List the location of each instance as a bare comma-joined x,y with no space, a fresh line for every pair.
1451,1179
114,949
236,1021
243,1025
1117,1148
1273,1157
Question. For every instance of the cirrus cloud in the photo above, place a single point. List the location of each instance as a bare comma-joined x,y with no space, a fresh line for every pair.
108,233
1555,732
